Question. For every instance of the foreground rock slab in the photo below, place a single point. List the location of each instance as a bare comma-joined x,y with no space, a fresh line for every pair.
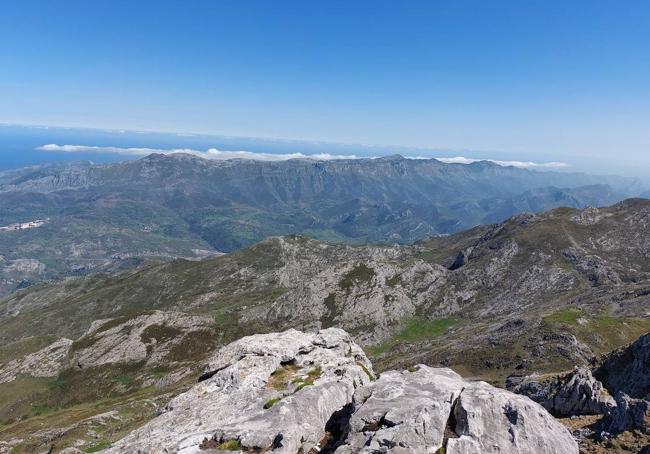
264,392
302,393
423,410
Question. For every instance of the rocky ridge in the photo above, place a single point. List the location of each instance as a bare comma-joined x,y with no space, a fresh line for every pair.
108,216
531,287
576,393
628,369
296,392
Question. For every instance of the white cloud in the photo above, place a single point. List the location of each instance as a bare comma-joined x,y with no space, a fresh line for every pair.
211,153
521,164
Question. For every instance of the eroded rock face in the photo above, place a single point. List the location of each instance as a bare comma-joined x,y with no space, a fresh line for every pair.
403,412
47,362
629,414
628,369
148,337
274,392
425,410
491,420
576,393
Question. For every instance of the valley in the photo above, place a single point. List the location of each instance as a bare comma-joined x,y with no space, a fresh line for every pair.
108,217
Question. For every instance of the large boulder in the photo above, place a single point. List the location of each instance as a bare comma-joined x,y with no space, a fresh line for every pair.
283,392
423,410
403,411
575,393
628,369
491,420
295,392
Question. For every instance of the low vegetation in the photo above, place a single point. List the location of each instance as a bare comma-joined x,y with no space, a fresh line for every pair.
416,329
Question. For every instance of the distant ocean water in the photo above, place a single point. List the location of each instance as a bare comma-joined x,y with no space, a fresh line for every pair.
18,145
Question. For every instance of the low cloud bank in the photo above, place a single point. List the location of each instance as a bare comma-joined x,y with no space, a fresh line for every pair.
213,153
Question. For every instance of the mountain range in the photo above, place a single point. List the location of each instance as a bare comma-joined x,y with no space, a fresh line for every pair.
537,293
114,216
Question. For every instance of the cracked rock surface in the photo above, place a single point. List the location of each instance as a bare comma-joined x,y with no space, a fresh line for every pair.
264,392
295,392
403,412
575,393
431,408
47,362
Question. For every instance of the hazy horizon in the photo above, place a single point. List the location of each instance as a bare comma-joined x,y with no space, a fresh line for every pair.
511,81
23,145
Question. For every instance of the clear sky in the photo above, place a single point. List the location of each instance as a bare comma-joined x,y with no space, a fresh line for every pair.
539,79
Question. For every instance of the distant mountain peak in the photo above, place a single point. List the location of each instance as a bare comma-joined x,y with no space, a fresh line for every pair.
392,157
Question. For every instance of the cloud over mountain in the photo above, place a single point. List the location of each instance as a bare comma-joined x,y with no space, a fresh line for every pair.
213,153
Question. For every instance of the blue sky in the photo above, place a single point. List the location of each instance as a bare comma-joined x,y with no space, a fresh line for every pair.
544,80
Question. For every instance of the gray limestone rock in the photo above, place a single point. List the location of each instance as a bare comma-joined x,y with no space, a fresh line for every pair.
628,369
575,393
265,392
47,362
147,337
428,409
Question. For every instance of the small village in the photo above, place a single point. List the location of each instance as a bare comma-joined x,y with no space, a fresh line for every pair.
24,225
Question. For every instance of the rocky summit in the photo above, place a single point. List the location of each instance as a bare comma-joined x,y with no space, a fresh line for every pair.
295,392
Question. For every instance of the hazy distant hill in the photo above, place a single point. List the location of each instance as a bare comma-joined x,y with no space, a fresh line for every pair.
166,206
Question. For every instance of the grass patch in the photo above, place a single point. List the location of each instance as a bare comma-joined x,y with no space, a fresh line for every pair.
83,343
360,274
564,316
124,379
194,346
281,377
159,333
313,375
394,281
270,403
98,447
24,347
600,331
230,445
57,383
416,329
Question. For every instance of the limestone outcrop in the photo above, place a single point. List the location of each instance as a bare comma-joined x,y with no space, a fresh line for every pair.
295,392
47,362
275,392
575,393
148,337
628,369
423,410
629,414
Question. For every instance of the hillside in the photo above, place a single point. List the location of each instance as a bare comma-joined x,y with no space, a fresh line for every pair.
112,216
536,293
